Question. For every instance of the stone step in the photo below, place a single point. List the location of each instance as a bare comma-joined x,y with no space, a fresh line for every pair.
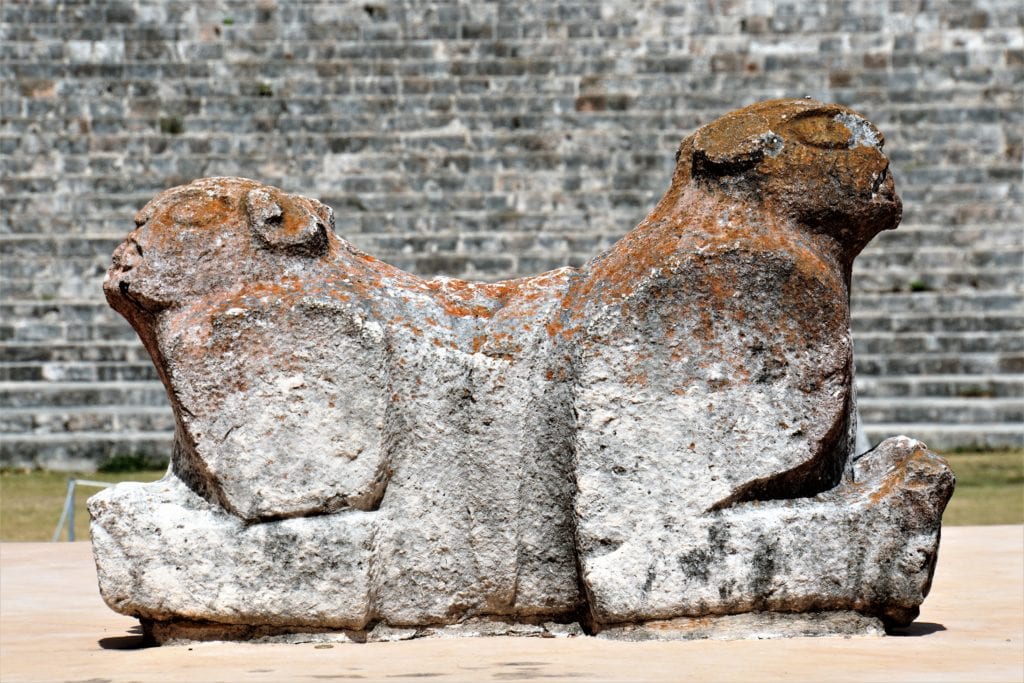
941,386
69,310
124,351
83,451
922,278
103,329
945,438
68,394
867,342
1003,322
884,365
866,303
918,236
941,410
107,419
932,258
78,371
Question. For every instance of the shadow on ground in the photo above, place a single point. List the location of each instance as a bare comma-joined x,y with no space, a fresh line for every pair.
918,628
134,641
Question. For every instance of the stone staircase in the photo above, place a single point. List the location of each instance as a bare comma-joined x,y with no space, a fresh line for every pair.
939,337
487,140
70,405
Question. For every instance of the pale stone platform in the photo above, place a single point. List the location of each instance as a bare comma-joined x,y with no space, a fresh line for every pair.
54,627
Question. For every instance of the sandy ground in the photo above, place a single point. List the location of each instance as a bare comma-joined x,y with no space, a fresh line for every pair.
55,627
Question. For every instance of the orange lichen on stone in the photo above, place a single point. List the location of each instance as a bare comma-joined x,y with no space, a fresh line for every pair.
902,475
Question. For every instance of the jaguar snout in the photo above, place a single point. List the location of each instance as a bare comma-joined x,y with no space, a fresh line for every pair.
880,181
117,285
127,255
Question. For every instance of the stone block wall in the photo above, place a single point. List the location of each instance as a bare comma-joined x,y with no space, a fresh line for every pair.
491,139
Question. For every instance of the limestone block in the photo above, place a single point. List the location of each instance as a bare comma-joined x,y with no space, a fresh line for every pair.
163,550
665,433
866,545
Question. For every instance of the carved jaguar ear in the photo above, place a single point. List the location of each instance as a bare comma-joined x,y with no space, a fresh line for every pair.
325,212
731,146
282,223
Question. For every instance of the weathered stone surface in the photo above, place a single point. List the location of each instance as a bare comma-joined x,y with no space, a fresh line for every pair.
164,550
749,626
866,545
665,432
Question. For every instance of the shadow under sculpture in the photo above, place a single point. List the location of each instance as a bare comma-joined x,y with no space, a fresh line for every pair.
662,435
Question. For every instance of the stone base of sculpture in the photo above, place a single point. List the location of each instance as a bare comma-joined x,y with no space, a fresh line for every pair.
746,626
191,571
660,436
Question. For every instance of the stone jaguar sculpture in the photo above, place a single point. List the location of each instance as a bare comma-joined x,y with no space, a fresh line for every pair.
662,435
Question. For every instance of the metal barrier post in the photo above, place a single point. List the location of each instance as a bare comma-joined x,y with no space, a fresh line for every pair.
67,515
70,504
70,497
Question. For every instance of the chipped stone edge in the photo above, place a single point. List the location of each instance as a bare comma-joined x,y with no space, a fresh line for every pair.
746,626
751,626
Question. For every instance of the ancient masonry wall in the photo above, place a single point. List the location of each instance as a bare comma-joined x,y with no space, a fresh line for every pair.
492,139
